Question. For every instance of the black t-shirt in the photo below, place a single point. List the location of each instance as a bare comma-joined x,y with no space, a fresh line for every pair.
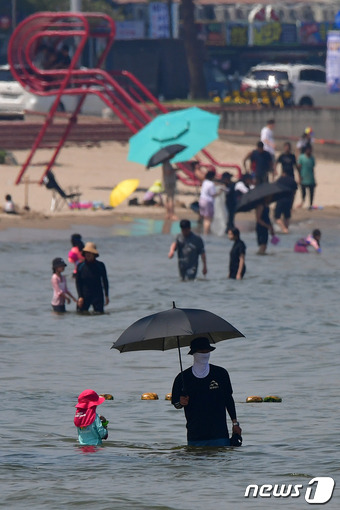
189,248
261,162
288,161
238,249
208,400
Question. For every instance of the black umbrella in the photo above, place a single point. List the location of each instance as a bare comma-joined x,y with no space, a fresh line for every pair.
174,328
165,153
274,190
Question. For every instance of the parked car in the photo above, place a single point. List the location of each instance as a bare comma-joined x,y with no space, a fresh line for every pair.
307,83
12,95
15,100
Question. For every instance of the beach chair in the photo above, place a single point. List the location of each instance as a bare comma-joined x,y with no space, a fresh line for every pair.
59,196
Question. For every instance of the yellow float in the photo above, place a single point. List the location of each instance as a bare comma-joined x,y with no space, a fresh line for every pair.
168,396
107,396
149,396
254,398
272,398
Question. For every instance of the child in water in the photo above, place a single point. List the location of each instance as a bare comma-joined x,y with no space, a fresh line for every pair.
75,255
313,239
91,427
60,290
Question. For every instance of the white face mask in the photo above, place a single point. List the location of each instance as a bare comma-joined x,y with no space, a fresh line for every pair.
200,367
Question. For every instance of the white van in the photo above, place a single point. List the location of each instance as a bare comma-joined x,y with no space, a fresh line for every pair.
306,82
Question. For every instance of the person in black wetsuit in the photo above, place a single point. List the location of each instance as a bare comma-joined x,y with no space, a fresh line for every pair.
284,206
263,225
230,198
237,266
91,280
206,393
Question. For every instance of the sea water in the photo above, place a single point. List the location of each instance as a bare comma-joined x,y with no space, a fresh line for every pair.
287,307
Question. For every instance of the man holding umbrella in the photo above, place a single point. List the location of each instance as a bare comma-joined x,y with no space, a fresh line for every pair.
205,393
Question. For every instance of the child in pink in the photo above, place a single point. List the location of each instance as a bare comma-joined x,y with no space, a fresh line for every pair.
75,255
91,427
313,239
60,290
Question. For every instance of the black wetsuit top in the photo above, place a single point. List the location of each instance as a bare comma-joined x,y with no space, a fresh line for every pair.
91,279
208,400
238,249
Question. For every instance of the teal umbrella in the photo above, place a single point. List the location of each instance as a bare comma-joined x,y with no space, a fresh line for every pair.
192,127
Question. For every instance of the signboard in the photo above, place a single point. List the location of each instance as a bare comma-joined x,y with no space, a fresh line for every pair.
314,33
333,61
215,34
159,20
237,34
129,30
265,34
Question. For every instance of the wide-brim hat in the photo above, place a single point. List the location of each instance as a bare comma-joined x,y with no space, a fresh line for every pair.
91,248
58,262
89,398
200,344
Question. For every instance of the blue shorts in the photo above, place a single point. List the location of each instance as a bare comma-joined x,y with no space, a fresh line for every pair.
223,441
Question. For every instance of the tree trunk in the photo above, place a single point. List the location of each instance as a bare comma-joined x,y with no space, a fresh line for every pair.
193,51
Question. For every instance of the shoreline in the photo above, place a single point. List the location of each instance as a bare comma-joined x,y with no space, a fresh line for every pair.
95,171
62,221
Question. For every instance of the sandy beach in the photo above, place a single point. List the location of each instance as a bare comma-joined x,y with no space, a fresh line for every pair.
95,171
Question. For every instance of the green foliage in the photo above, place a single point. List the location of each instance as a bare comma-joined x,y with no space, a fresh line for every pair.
2,156
32,6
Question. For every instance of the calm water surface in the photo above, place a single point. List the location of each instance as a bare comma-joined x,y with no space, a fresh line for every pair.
288,308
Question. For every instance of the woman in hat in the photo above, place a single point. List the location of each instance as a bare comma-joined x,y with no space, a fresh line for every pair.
91,427
91,281
60,290
75,255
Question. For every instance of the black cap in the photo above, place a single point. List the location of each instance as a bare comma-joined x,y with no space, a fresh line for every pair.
58,262
200,344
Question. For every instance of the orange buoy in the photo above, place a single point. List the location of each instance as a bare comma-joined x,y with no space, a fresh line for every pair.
168,396
254,398
149,396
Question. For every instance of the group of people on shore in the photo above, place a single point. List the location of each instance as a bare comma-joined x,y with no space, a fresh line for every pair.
90,279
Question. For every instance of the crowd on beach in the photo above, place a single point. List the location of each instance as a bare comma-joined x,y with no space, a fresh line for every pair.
261,166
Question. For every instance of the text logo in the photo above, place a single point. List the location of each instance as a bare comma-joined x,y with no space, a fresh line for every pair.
318,491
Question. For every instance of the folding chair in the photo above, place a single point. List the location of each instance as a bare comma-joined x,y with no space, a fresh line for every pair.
59,196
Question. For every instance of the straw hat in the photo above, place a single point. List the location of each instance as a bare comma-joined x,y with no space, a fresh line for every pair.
91,248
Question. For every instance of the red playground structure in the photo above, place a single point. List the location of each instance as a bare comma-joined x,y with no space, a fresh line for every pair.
121,91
